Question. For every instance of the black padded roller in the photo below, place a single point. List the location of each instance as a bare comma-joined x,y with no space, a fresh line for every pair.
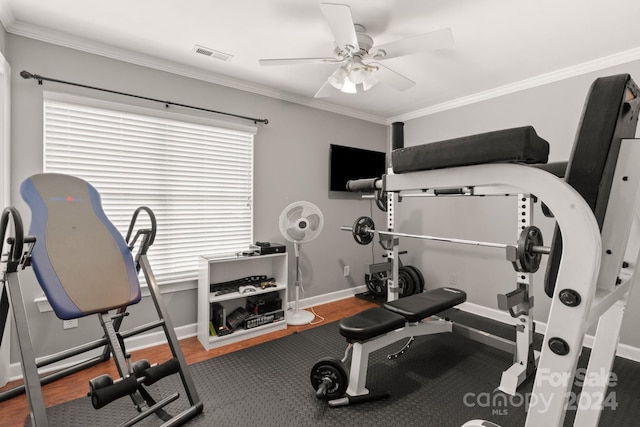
363,185
521,145
104,396
156,373
397,135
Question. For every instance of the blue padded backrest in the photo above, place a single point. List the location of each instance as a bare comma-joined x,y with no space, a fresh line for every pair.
80,259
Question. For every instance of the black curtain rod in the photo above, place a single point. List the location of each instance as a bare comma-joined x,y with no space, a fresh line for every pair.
40,79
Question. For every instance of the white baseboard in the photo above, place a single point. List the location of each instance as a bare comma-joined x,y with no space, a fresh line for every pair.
623,350
156,338
327,298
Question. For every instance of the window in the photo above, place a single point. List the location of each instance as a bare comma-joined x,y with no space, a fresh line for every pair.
196,177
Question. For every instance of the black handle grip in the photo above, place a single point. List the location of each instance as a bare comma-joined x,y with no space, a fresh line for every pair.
368,185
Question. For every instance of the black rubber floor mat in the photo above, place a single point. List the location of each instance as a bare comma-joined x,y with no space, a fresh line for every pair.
442,381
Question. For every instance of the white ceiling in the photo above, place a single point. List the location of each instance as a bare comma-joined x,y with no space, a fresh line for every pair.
500,45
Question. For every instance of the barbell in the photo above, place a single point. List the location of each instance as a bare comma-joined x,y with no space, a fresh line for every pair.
525,255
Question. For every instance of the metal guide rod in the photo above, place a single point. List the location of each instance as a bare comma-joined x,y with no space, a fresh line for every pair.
534,249
442,239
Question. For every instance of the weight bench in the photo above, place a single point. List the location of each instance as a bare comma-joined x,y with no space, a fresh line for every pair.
85,267
372,329
592,268
377,327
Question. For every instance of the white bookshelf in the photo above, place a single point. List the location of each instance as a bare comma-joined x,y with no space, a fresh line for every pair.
217,269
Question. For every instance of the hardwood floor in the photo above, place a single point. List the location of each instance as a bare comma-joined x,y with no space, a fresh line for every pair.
14,411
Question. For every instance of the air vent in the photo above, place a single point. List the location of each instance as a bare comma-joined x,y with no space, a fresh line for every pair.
211,53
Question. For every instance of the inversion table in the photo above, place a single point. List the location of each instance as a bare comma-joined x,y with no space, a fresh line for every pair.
85,267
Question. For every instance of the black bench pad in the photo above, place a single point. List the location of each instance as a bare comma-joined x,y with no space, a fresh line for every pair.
420,306
370,323
610,114
521,145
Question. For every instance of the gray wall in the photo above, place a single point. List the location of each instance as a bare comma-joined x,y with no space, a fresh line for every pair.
291,163
554,110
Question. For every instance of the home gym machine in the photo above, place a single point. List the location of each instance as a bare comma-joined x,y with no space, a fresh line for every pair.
592,259
84,266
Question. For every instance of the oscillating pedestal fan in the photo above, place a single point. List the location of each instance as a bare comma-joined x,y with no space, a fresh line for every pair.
300,222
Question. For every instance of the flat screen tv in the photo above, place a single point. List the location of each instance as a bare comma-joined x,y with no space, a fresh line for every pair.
346,163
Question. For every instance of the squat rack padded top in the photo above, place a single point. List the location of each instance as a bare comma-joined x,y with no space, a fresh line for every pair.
520,144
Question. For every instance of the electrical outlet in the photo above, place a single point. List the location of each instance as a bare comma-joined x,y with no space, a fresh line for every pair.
347,271
70,324
453,279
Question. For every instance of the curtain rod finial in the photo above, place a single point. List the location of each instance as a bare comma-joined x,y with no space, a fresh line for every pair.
26,75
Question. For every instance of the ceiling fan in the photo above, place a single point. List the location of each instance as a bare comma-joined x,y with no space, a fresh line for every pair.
356,54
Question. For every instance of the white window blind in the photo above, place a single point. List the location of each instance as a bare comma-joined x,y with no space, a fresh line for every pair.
197,178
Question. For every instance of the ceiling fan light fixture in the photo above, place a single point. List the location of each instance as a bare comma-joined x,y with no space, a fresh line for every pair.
338,78
357,74
369,81
349,87
358,70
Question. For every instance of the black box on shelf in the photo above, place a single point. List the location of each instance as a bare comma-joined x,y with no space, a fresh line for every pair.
218,319
273,248
236,318
264,303
256,320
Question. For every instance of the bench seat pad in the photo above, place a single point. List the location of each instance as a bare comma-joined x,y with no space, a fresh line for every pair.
370,323
522,145
420,306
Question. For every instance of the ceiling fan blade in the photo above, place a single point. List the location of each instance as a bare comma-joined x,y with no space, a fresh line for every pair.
339,18
438,39
298,61
392,78
325,90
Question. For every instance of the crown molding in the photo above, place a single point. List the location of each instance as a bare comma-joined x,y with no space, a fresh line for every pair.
543,79
7,19
66,40
39,33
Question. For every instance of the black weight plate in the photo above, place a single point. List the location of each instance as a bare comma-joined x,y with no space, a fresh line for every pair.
336,372
418,273
376,283
362,230
381,200
415,279
407,282
528,261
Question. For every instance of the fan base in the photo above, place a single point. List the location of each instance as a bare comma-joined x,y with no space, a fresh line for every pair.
300,317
